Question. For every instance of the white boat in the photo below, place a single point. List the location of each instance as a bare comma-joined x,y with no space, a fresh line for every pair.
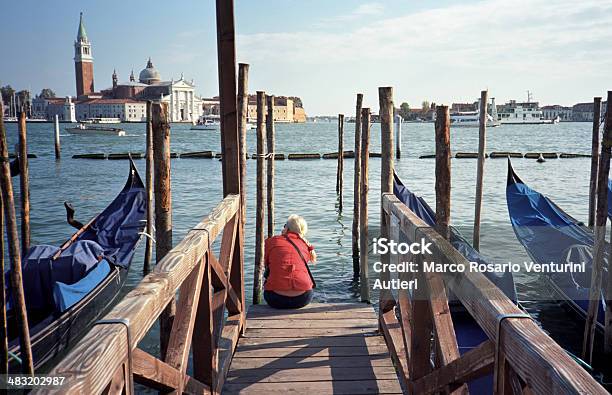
470,119
84,129
102,120
523,113
206,124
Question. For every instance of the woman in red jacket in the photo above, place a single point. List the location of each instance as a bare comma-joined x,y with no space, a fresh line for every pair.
289,283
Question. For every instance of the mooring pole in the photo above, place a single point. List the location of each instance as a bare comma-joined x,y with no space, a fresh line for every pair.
27,364
243,108
58,149
3,320
482,132
600,242
364,282
270,144
398,136
339,174
356,186
24,182
594,160
148,254
443,170
385,98
261,197
608,315
163,207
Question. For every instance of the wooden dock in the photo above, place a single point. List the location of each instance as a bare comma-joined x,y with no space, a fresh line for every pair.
323,348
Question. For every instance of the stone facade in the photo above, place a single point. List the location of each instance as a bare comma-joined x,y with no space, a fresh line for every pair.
285,110
127,110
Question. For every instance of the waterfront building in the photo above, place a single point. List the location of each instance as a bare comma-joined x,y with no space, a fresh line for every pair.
128,98
583,112
555,111
48,108
126,110
286,109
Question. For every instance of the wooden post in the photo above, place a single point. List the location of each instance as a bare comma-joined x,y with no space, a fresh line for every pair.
594,160
243,108
24,182
270,143
600,234
364,282
608,315
260,208
482,133
19,306
385,98
3,320
340,171
163,206
443,170
148,254
356,186
398,136
58,148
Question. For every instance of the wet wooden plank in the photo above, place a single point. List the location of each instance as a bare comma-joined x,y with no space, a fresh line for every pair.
296,362
312,324
355,387
323,373
279,352
322,349
338,341
310,332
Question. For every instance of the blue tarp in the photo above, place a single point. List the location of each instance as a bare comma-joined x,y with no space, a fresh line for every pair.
66,295
550,235
56,284
419,206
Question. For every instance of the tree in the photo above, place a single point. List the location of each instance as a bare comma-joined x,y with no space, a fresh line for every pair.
425,105
404,110
7,93
47,93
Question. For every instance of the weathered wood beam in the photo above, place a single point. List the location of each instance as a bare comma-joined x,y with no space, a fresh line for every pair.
142,306
357,186
482,140
535,357
392,332
473,364
594,160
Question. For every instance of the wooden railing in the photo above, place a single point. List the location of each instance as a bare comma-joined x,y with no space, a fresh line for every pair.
108,359
522,358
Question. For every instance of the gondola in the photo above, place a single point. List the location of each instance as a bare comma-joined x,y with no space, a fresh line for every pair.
467,331
68,288
549,234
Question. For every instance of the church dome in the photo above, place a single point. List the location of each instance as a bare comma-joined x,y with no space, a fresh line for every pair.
149,75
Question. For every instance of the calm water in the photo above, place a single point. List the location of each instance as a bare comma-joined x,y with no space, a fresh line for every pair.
308,188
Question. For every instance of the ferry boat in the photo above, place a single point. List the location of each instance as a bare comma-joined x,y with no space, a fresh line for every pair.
102,120
85,129
523,113
471,119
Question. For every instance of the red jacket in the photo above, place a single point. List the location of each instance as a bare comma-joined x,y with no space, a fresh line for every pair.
287,270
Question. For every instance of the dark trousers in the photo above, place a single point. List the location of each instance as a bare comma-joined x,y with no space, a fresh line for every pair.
287,302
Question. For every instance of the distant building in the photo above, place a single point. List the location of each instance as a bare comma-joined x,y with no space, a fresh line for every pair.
127,110
83,62
211,106
129,97
48,108
285,109
554,111
583,112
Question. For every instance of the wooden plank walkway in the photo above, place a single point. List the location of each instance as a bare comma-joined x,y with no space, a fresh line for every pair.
324,348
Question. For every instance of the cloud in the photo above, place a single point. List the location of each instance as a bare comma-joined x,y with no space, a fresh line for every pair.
495,42
363,10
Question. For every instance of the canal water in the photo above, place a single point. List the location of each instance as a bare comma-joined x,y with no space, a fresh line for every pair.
308,188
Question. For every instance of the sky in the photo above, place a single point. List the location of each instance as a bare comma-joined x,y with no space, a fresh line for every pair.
327,51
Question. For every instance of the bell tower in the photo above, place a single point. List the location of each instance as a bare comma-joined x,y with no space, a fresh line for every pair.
83,62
